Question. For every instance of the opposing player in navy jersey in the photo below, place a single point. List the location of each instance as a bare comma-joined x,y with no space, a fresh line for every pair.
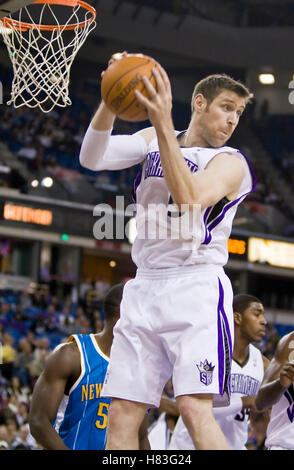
277,391
67,411
247,372
176,315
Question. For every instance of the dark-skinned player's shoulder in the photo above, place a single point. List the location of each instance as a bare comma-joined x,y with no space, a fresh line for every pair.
65,357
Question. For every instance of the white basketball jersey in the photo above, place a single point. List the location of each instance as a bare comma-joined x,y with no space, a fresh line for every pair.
280,431
245,381
158,246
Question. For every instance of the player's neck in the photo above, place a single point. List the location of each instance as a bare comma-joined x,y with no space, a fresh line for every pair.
192,137
241,349
104,340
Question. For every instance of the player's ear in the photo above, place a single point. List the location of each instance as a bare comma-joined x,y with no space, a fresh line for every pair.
200,103
237,318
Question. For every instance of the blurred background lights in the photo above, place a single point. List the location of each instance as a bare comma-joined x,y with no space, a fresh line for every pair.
266,78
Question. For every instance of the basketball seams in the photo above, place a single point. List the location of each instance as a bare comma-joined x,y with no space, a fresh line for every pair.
132,102
123,75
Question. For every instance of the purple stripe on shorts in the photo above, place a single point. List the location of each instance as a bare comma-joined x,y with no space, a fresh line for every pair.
223,333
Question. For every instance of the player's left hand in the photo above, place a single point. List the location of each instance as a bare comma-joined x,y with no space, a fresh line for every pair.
159,103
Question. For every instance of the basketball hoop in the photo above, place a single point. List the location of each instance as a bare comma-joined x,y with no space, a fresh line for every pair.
42,48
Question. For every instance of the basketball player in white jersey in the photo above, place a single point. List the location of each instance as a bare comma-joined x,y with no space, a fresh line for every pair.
277,391
247,372
176,315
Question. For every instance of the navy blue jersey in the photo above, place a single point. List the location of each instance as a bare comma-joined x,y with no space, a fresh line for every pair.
82,416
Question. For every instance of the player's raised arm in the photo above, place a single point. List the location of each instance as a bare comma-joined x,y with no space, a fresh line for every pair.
48,393
102,151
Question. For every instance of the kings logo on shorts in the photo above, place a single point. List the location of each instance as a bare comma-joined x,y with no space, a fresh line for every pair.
206,371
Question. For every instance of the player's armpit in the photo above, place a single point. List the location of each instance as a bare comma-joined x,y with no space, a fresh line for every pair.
221,178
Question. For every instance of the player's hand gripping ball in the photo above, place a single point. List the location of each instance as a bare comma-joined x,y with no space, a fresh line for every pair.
121,79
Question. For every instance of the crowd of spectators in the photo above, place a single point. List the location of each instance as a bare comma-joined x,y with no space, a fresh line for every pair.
32,324
51,142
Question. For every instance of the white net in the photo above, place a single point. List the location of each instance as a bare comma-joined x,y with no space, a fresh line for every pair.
43,52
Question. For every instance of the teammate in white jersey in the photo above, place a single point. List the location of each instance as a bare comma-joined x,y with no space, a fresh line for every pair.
247,372
277,390
176,315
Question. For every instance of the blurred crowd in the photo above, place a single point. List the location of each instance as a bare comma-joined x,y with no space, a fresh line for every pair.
31,325
51,142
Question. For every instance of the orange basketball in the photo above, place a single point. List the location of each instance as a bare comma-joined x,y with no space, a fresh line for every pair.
119,82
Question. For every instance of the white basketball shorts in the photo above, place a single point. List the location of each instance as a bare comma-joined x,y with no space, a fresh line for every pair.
175,322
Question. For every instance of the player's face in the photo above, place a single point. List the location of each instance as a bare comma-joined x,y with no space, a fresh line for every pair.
254,322
221,117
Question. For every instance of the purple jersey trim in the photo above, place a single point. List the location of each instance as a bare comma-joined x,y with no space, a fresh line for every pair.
290,409
225,350
211,225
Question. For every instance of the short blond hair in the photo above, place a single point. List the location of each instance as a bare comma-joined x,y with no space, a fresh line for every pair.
213,85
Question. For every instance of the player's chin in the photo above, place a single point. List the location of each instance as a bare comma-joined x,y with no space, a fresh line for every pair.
219,142
259,337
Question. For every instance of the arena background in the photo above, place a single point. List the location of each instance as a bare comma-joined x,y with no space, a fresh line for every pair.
53,272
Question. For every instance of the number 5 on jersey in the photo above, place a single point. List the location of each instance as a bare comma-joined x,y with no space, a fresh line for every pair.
102,413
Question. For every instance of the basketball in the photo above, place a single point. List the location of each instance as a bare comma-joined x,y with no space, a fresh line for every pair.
120,81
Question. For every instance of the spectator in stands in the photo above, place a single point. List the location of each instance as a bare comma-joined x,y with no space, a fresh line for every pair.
4,436
67,278
101,286
17,390
17,322
66,323
45,273
45,139
11,426
23,439
22,414
9,354
28,151
40,353
23,360
86,285
51,319
25,299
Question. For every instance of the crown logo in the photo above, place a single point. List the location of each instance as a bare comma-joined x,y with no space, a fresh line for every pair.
206,372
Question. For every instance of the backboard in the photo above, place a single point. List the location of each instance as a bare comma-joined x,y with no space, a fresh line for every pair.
9,6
